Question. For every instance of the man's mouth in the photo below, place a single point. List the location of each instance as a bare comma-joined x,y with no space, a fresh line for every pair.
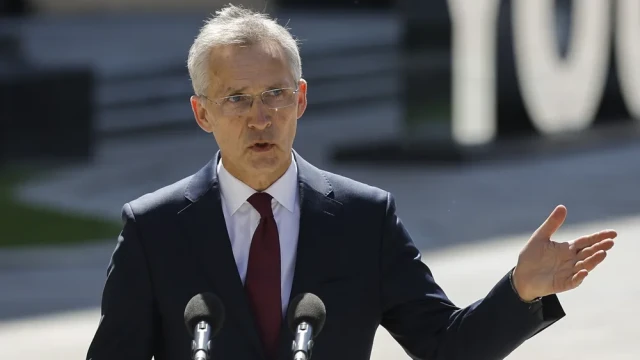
262,146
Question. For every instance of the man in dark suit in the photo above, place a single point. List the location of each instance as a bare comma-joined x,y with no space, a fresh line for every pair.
259,225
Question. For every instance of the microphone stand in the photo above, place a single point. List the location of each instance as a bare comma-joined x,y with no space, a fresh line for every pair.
303,343
201,344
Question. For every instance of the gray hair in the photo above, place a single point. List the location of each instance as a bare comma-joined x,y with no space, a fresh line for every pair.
237,25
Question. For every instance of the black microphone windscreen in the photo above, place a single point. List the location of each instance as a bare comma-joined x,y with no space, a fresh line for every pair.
307,308
204,307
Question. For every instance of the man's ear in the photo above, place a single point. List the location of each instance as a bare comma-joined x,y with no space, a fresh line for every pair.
302,97
200,113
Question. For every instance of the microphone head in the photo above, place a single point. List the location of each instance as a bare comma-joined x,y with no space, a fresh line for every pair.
307,308
204,307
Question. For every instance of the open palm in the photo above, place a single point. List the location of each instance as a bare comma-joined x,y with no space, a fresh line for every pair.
547,267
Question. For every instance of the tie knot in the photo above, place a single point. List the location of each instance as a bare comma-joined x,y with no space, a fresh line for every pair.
262,203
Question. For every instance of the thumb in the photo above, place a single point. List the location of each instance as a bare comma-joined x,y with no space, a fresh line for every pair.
552,224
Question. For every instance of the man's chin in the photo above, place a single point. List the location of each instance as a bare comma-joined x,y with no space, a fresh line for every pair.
269,161
265,161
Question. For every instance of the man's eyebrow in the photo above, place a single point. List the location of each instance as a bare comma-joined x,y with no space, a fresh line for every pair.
235,91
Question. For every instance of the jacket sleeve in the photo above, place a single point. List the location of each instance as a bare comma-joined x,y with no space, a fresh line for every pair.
126,328
418,314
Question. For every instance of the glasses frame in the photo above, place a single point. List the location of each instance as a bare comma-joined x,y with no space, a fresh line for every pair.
219,101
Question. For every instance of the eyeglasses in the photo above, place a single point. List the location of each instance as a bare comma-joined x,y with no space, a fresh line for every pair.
240,104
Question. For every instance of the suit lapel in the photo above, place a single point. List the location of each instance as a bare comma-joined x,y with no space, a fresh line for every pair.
318,239
204,222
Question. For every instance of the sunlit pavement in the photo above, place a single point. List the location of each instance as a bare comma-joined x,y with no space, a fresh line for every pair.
601,323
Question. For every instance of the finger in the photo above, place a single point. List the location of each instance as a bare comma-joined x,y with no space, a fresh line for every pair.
589,240
604,245
592,261
578,278
552,224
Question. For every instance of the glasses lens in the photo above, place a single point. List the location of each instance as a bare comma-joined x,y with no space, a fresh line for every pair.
279,98
236,104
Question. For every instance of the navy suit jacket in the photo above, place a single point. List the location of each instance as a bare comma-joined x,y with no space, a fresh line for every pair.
353,252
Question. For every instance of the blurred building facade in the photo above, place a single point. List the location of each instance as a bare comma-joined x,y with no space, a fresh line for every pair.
93,6
460,70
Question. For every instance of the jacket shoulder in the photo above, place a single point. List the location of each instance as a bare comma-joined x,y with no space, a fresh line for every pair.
347,190
168,199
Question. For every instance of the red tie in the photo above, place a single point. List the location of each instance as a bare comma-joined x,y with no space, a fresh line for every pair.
263,275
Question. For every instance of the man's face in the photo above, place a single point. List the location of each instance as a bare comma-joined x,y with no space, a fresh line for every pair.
255,139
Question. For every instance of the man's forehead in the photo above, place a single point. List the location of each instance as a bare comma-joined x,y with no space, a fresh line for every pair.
244,69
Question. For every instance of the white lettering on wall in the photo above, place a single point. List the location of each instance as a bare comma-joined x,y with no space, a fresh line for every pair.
561,94
628,53
474,26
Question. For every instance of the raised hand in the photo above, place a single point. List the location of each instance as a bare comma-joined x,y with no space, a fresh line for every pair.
547,267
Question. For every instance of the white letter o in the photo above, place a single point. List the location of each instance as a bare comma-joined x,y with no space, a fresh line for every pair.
561,95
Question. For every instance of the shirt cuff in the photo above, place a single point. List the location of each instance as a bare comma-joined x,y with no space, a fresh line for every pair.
534,301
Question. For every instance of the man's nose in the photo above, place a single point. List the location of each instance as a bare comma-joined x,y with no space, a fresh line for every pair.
259,116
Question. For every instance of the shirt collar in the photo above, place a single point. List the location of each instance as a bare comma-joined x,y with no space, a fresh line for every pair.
236,193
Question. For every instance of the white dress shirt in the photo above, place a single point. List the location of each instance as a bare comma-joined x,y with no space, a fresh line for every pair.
242,221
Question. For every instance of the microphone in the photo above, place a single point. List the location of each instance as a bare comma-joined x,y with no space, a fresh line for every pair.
306,316
203,316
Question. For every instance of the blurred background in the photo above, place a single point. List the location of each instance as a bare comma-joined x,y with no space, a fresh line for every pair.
480,116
